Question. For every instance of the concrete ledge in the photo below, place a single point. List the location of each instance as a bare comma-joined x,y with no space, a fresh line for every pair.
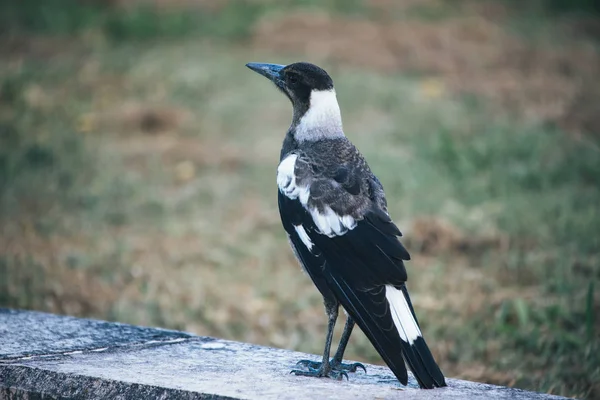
45,356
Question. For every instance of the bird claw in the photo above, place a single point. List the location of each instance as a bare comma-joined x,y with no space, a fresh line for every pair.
321,373
337,370
313,365
349,367
340,375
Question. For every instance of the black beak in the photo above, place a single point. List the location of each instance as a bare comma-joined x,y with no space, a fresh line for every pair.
269,71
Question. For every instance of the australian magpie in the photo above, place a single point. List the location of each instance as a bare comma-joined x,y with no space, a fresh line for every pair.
334,211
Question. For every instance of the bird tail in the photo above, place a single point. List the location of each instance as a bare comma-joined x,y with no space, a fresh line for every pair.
396,334
414,349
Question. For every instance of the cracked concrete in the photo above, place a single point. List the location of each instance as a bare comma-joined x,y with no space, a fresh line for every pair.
50,356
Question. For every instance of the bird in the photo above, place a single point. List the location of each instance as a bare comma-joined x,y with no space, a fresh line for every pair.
334,211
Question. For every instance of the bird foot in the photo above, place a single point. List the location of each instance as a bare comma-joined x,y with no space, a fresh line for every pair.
336,369
321,372
335,365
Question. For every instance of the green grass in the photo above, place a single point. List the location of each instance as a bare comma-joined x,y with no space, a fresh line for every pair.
137,180
562,7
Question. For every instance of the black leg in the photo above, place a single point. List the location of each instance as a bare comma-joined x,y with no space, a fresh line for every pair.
323,369
336,361
339,354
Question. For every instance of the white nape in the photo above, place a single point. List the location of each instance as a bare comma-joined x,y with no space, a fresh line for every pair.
304,236
322,119
405,322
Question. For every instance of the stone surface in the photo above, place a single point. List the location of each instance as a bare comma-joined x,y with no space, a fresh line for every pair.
49,356
33,333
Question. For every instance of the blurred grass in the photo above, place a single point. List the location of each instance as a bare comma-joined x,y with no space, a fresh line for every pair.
557,7
136,184
145,20
137,22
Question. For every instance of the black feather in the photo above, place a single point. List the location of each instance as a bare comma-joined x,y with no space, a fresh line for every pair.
355,264
359,265
291,213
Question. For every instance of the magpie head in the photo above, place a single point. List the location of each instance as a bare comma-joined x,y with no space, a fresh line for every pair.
296,80
310,89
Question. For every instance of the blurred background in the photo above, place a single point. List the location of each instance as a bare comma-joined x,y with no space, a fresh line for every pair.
138,158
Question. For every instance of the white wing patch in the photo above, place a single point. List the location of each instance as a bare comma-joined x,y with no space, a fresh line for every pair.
304,237
328,221
403,318
331,224
286,180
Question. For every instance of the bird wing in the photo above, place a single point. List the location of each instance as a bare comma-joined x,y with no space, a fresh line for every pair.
341,221
310,257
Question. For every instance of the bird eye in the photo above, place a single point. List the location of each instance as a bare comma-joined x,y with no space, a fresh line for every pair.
293,79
